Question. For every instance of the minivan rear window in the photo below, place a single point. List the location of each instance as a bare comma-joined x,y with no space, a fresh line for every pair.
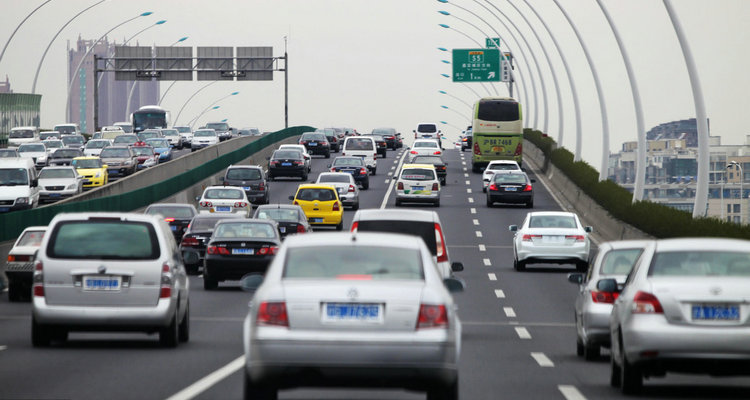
427,128
105,239
425,230
358,144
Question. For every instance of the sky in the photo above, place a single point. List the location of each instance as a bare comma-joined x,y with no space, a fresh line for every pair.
367,64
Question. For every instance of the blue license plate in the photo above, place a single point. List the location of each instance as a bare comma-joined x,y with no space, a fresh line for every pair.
312,144
715,313
4,209
94,283
223,208
316,219
511,189
417,188
246,188
247,252
54,195
286,164
173,227
335,312
350,171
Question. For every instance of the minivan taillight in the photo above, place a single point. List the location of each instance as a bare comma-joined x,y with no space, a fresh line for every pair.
351,188
442,252
336,207
400,186
432,316
38,279
435,187
273,313
166,281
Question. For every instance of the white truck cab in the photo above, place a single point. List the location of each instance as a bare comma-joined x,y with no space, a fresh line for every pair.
19,189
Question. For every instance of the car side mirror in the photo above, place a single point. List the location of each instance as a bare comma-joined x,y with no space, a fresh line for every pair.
34,182
291,197
576,278
329,165
105,166
221,179
454,285
607,285
197,198
414,130
251,282
513,228
588,229
457,267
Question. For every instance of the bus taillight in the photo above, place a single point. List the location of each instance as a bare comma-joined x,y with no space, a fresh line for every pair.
476,149
518,150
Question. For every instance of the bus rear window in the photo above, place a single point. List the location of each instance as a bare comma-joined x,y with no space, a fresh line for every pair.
498,110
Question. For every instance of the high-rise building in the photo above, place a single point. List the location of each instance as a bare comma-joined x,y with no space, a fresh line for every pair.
113,95
5,86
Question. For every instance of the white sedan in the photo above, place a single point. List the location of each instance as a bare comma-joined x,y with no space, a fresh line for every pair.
224,200
494,166
425,147
551,237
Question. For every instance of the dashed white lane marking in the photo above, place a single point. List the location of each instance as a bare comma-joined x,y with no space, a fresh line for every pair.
393,167
499,294
466,175
523,333
482,248
473,210
509,312
468,190
492,276
463,162
465,169
471,200
542,360
468,182
570,392
478,233
209,380
487,262
387,180
475,221
3,348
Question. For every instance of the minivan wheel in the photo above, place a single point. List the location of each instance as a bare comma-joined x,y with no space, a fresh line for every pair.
184,329
40,334
14,291
169,336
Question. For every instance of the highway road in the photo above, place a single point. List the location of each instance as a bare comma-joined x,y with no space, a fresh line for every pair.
518,333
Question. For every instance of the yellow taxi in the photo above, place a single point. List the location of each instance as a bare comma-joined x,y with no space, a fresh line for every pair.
92,169
321,204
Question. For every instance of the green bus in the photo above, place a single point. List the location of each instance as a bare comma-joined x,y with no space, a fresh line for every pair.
497,127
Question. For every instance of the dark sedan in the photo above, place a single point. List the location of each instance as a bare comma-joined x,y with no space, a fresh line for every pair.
239,247
290,217
440,166
389,134
177,215
120,160
382,145
196,236
316,143
352,165
251,178
466,140
287,163
64,156
510,187
333,139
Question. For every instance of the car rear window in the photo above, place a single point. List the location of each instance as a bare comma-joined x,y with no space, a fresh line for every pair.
334,178
510,178
552,221
312,194
427,160
105,239
279,214
244,174
358,144
425,230
223,194
31,238
503,167
291,154
700,263
171,212
253,230
313,136
427,128
619,262
426,144
357,162
417,174
204,224
72,139
353,262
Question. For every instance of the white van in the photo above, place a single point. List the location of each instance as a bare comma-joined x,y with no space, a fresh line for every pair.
19,189
427,131
362,146
23,134
127,127
67,129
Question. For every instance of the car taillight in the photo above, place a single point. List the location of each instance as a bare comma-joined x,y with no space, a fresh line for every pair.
206,204
646,303
442,252
464,139
603,297
299,162
435,187
529,238
324,143
18,258
267,250
303,142
413,152
577,238
432,316
351,188
527,188
166,282
240,204
274,163
217,250
336,207
437,152
272,313
333,169
343,153
363,171
262,186
301,228
400,186
355,226
494,187
169,219
295,203
476,149
38,279
189,241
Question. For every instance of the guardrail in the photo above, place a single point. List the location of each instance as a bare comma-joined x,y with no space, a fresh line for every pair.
163,181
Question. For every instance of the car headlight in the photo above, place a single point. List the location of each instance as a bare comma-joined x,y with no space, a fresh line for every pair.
128,162
98,174
22,200
71,186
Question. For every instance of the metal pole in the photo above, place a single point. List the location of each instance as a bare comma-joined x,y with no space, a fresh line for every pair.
701,191
188,100
96,93
19,25
165,92
286,85
640,162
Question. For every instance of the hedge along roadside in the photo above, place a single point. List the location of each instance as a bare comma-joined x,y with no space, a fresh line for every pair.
12,224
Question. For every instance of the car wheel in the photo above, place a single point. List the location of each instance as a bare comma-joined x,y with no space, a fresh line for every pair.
437,203
398,203
614,376
340,226
591,352
304,177
530,204
270,177
14,291
384,153
209,283
579,347
374,171
582,266
489,202
184,329
355,207
328,154
444,393
484,189
40,334
169,336
519,265
366,184
254,391
462,149
631,377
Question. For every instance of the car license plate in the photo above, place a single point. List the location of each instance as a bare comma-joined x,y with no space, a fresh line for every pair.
223,208
247,252
316,219
720,312
94,283
4,209
553,239
173,227
417,188
312,144
286,164
54,195
282,229
511,189
352,312
351,171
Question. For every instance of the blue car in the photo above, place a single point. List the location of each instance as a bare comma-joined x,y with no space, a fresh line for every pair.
162,148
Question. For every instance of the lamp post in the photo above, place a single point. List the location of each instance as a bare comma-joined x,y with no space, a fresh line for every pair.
19,25
201,114
462,115
91,48
190,98
736,165
132,88
39,67
448,94
210,105
173,82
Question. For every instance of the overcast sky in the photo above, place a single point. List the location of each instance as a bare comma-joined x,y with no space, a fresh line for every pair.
365,64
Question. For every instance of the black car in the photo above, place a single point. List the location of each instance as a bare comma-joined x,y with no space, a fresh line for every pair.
316,143
333,139
196,236
440,165
353,165
290,217
239,247
466,140
511,187
380,143
251,178
177,215
287,163
63,156
390,135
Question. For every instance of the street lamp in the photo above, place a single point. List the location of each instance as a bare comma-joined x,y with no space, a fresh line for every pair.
448,94
190,98
736,165
173,82
19,25
220,99
462,115
132,88
39,67
201,114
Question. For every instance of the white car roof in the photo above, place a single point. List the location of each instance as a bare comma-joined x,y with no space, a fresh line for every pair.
702,244
376,214
360,238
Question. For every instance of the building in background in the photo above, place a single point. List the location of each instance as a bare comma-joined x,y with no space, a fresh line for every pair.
113,94
5,86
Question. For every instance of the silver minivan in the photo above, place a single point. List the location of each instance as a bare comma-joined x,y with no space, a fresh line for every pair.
109,272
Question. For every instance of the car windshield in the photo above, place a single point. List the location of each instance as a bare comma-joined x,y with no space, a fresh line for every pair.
66,153
204,133
231,194
552,221
32,148
295,154
56,173
336,178
143,150
72,140
425,230
31,238
348,162
95,239
256,230
8,153
87,163
13,176
316,194
244,174
417,174
619,262
384,131
503,167
96,144
701,263
21,134
171,211
115,153
169,132
53,144
510,178
427,128
353,262
158,143
65,129
426,144
313,136
278,214
358,144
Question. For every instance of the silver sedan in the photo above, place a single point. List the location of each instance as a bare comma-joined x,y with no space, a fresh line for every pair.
613,260
551,237
684,308
353,309
345,185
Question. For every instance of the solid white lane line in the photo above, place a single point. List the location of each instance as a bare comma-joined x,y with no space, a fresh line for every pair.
542,360
482,248
499,294
478,233
390,187
209,380
570,392
468,190
487,262
471,200
523,333
509,312
492,276
3,348
473,210
467,182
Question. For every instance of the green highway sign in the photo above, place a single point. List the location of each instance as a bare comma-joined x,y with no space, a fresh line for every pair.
489,41
476,65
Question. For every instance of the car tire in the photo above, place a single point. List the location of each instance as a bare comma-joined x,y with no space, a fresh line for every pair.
253,391
209,283
444,183
40,334
14,292
304,177
355,207
530,204
591,352
398,203
385,153
328,154
462,149
366,184
519,265
449,392
270,177
489,202
374,171
340,226
614,375
579,347
170,335
184,329
484,189
631,377
437,203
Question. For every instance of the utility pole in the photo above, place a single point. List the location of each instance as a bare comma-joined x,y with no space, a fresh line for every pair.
96,93
286,85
